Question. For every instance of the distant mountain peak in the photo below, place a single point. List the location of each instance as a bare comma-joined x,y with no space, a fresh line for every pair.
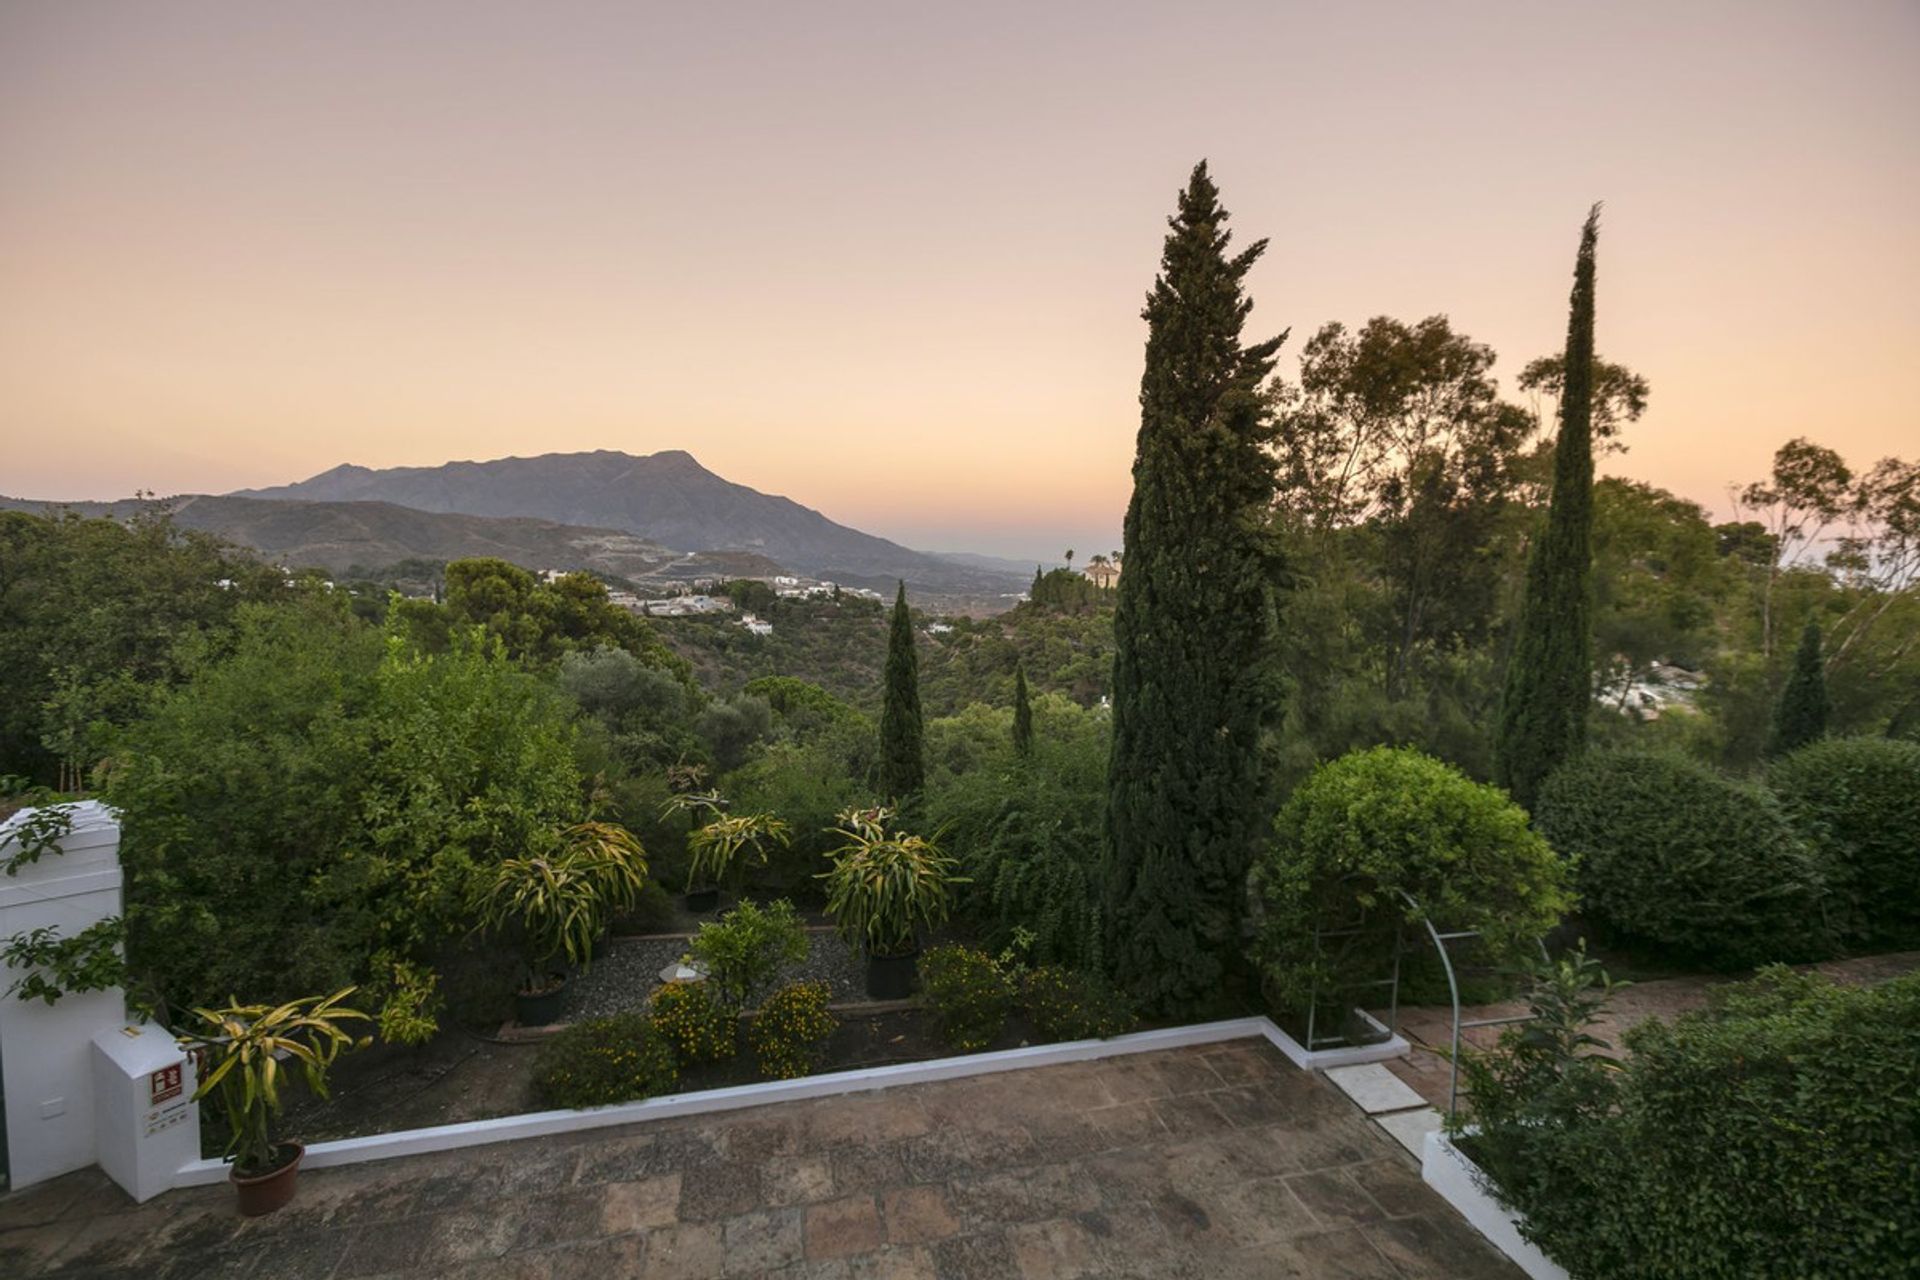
667,497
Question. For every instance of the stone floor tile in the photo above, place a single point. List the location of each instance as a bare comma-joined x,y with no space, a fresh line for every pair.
863,1117
791,1180
468,1235
841,1228
1335,1199
916,1215
868,1168
1190,1115
1023,1195
1056,1249
976,1257
635,1206
684,1251
1127,1124
382,1247
616,1258
951,1152
1244,1062
26,1251
1394,1186
1438,1246
1410,1129
761,1241
720,1189
564,1217
1336,1140
894,1262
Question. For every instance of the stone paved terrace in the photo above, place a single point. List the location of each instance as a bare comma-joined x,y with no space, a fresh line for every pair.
1219,1161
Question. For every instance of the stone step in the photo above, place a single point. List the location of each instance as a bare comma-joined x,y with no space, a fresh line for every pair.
1410,1128
1374,1089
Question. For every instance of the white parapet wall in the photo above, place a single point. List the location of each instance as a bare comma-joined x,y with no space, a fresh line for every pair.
1446,1169
46,1050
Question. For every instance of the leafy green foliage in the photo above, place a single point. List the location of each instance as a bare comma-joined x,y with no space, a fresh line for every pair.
1675,857
36,833
700,1030
884,884
721,850
1801,717
1857,802
554,901
746,948
1549,689
1771,1135
604,1061
903,766
1551,1069
1371,826
321,797
539,622
968,994
1022,715
1187,798
251,1048
787,1033
1071,1004
55,966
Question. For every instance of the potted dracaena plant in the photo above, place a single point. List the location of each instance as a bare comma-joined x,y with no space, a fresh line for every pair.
246,1051
615,862
883,886
557,901
702,896
719,852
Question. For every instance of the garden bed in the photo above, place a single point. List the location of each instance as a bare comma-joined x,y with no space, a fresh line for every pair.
623,980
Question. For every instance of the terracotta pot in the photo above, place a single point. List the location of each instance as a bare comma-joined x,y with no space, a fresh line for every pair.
540,1009
891,977
265,1192
701,901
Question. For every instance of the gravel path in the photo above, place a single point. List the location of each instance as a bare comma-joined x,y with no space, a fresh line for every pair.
623,980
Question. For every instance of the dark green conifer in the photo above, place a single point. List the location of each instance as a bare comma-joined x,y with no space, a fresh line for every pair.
1801,716
1193,624
1022,714
902,760
1549,685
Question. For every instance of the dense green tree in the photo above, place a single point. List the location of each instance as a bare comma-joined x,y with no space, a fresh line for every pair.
1022,715
902,757
1194,623
1549,686
1801,716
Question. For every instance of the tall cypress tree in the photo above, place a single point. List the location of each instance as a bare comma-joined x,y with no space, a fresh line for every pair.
1022,714
1801,716
1193,623
902,761
1549,686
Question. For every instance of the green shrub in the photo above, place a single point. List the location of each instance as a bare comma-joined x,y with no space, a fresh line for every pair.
968,994
1371,825
604,1061
1066,1004
699,1030
1857,801
1772,1135
746,948
787,1032
1676,857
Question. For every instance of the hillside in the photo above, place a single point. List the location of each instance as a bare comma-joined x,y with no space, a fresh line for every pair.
336,536
667,498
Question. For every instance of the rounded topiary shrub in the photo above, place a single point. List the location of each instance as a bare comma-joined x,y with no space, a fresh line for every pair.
1675,857
1857,802
968,994
1371,825
607,1060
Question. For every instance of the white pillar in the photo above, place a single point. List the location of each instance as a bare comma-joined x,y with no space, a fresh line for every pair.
46,1050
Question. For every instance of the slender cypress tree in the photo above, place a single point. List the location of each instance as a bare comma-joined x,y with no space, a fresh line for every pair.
1022,714
1801,716
1549,686
902,761
1193,624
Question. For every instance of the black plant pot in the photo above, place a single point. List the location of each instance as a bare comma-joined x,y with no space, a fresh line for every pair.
891,977
541,1009
701,901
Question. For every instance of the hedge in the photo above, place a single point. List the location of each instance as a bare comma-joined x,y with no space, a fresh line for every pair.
1857,801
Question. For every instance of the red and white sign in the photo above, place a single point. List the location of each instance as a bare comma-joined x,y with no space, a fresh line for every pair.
163,1085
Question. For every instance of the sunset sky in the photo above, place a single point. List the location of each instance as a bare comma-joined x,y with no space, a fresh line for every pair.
888,259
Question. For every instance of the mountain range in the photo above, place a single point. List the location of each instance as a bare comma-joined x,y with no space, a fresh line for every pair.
635,517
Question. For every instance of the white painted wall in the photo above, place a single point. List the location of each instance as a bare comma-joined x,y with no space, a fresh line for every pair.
46,1050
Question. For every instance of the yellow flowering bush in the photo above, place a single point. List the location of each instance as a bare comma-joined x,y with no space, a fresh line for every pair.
1064,1004
791,1025
968,993
604,1061
698,1028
